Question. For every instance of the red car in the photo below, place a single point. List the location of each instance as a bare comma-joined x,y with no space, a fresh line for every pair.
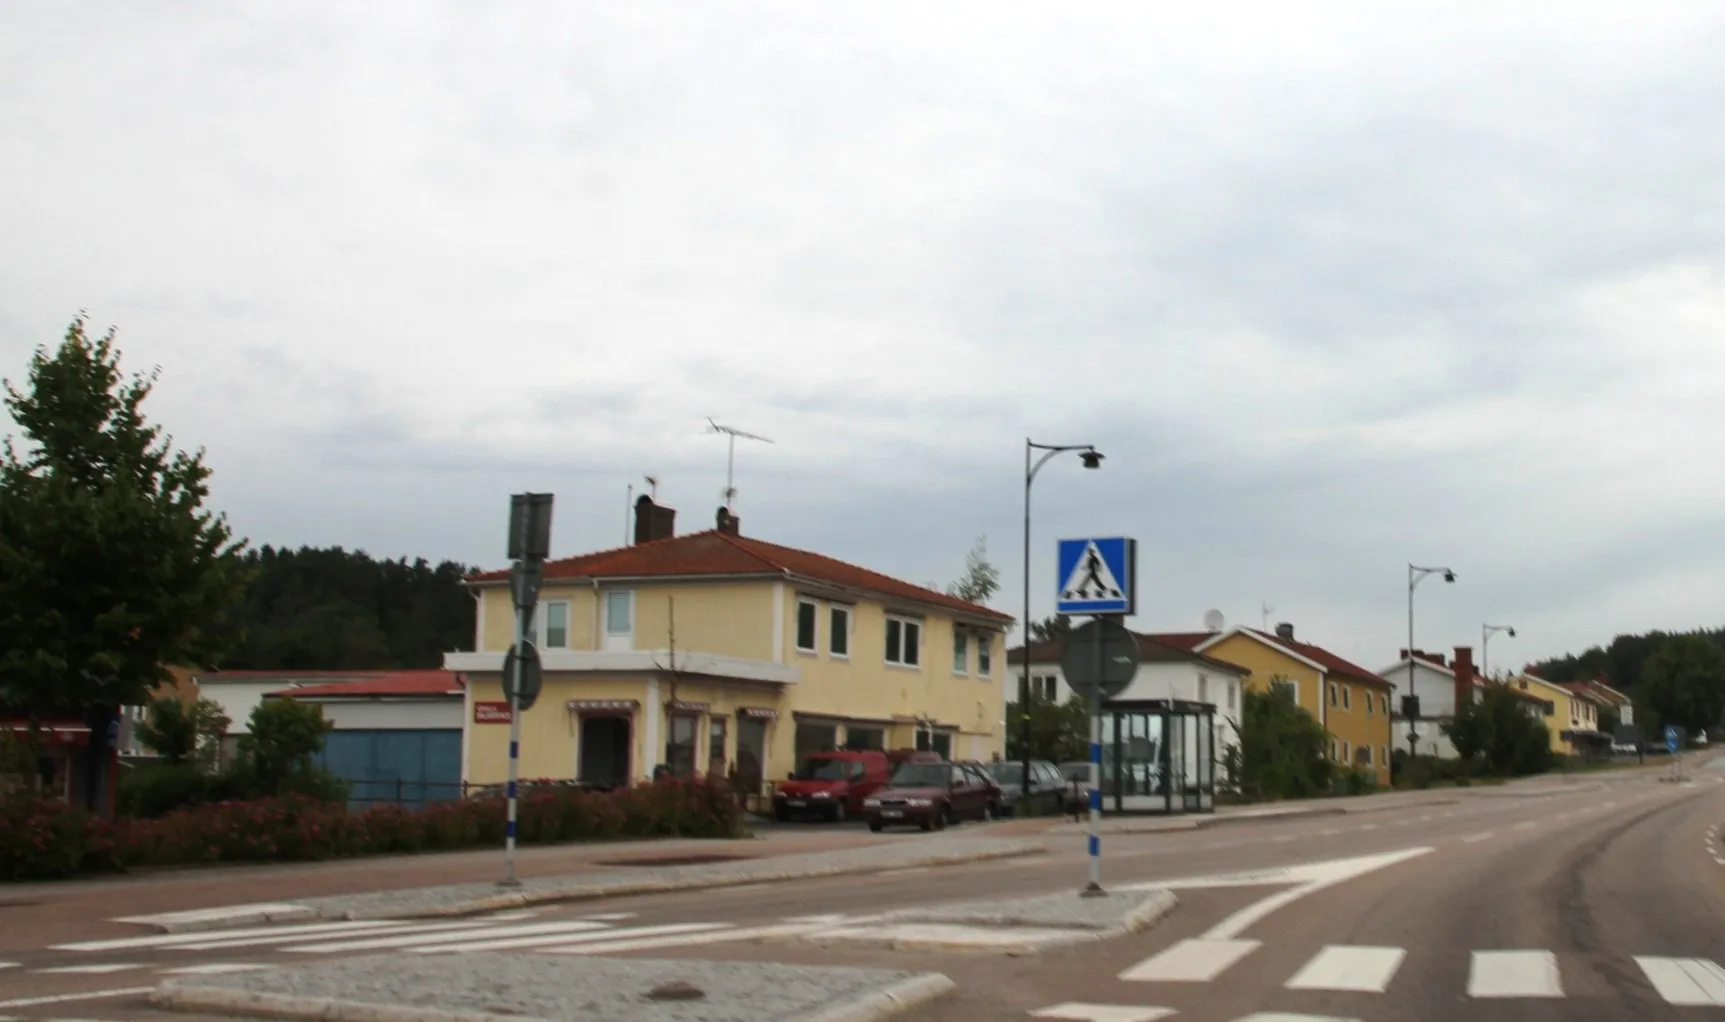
831,784
932,795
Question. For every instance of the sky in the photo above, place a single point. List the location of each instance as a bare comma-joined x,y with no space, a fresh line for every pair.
1334,287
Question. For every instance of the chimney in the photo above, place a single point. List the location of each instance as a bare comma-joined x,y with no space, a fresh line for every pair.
1464,676
652,521
728,523
1284,630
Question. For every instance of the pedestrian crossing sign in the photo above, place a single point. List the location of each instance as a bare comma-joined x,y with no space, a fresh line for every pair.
1098,575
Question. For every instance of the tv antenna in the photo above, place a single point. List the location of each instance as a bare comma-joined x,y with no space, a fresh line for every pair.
1268,610
653,484
731,435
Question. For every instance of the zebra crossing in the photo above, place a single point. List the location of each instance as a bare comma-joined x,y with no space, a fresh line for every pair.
518,930
1507,974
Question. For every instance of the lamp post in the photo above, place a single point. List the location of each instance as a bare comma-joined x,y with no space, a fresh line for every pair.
1092,459
1485,634
1416,575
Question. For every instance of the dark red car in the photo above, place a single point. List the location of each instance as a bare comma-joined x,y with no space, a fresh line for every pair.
932,795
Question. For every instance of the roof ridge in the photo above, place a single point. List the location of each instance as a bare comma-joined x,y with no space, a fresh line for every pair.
739,543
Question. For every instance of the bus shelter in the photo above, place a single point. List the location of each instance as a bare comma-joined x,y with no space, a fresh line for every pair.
1158,756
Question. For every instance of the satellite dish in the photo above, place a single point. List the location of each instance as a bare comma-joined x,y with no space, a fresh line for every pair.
1213,620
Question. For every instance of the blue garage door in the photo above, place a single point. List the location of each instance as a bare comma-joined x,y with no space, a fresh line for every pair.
408,767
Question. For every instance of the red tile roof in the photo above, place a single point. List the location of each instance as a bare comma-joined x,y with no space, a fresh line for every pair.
397,683
1331,663
1152,649
714,553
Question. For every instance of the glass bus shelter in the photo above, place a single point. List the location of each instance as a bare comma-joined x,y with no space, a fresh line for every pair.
1158,756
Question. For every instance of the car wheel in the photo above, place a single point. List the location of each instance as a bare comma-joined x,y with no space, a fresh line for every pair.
942,818
926,825
876,826
989,812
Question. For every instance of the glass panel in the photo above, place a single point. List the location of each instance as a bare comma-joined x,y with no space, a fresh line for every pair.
805,625
912,635
893,630
716,746
960,653
840,629
984,654
680,750
556,626
617,616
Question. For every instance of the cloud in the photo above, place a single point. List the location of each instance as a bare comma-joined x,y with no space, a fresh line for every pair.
1334,288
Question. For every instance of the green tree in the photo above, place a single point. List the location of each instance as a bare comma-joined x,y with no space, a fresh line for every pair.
1498,730
1683,683
1283,750
285,735
981,578
1059,732
1051,629
111,568
184,733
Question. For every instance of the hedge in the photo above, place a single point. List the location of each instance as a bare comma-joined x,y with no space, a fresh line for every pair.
47,839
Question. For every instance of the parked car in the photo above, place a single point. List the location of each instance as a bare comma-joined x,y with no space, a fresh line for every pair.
932,795
831,784
1047,786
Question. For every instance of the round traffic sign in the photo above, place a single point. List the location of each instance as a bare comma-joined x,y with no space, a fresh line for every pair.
531,676
1114,668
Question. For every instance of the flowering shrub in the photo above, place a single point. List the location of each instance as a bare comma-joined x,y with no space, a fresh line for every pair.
47,839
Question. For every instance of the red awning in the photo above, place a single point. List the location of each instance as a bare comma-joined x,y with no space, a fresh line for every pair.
53,733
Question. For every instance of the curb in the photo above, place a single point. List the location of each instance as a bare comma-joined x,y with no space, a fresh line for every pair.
1208,822
173,996
1049,935
587,892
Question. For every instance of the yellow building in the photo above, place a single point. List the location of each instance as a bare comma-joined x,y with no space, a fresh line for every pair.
713,651
1351,702
1570,713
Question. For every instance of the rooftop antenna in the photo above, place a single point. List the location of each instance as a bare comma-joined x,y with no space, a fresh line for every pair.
653,482
731,457
1268,610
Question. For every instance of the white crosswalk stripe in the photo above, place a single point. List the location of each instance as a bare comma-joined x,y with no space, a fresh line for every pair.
1341,967
206,936
1191,961
215,969
483,938
1080,1012
1686,982
1513,974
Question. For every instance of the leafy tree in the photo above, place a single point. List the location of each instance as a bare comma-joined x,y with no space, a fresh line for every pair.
111,569
1051,629
1683,683
981,578
1059,732
182,732
1283,749
1497,730
285,736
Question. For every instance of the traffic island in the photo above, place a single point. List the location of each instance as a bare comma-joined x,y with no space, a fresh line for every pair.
1018,926
493,987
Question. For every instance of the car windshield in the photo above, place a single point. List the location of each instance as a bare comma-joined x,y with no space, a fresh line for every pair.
922,775
1007,773
822,768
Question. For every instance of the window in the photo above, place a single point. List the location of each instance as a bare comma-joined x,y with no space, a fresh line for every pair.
960,652
1363,756
1332,748
1384,703
1042,686
1332,693
716,746
1347,697
1232,695
1346,751
806,625
984,655
1289,688
554,626
1203,688
839,631
680,749
1368,704
1386,755
903,642
619,619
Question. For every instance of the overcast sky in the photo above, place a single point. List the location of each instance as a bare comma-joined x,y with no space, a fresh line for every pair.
1334,287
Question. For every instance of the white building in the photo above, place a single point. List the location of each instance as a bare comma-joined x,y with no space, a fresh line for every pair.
1437,682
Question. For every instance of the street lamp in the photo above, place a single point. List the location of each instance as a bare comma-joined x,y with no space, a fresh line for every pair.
1416,575
1485,634
1092,458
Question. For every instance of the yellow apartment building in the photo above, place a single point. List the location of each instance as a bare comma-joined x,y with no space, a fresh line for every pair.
1570,713
1351,702
714,652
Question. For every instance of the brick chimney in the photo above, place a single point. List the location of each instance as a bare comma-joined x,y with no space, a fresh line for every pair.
728,523
1464,676
1285,631
652,521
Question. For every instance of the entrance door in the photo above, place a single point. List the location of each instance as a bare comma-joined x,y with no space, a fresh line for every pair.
751,753
605,750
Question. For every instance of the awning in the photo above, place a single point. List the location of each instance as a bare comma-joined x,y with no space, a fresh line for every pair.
602,705
757,712
51,734
685,706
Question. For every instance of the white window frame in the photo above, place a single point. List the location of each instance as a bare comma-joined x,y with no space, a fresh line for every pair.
960,651
1293,684
1203,688
814,646
542,624
1348,698
835,610
1334,697
984,655
903,623
1347,753
1233,696
615,640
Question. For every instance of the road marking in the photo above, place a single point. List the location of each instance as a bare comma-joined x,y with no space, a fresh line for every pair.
484,939
1346,967
613,917
1685,981
88,970
397,928
817,919
561,940
215,969
1487,836
1190,961
8,965
173,939
1078,1012
1514,974
1288,1016
1282,838
606,946
30,1002
205,915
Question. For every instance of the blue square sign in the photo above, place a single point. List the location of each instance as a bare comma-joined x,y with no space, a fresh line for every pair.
1097,576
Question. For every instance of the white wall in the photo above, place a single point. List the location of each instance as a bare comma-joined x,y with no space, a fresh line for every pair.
238,699
1436,689
1193,681
393,715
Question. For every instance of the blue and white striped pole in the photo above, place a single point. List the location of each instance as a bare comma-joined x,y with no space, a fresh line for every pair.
514,746
1095,887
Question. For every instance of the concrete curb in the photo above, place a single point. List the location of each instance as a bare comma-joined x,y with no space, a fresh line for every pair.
1157,826
577,892
1035,935
901,996
175,995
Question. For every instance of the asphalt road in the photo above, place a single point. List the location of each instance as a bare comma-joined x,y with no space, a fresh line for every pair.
1504,904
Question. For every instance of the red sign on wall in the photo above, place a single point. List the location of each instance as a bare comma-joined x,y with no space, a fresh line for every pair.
491,713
